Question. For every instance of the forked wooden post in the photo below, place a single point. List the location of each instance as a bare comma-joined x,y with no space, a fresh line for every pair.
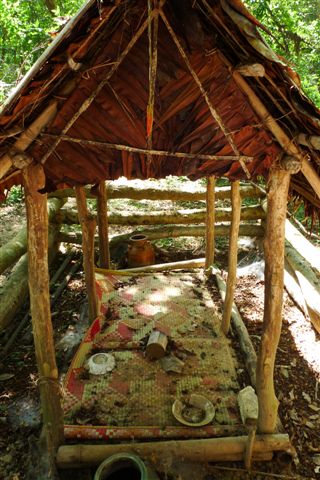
88,225
210,219
37,222
232,255
102,216
273,297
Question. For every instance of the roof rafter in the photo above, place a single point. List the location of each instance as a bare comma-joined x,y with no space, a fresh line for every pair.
204,93
86,104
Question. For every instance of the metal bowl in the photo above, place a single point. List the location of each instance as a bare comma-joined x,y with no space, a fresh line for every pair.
194,411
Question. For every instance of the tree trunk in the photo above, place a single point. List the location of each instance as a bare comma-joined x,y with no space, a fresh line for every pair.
232,256
147,193
15,290
273,298
51,5
199,450
182,217
174,231
17,246
37,222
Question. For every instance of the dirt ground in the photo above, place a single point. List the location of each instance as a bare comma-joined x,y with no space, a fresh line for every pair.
297,375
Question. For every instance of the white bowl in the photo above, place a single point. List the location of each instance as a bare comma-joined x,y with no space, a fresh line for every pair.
101,363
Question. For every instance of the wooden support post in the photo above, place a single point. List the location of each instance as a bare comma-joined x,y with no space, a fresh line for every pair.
88,225
37,221
102,217
274,273
210,219
232,256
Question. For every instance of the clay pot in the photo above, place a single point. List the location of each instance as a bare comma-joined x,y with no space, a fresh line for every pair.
140,252
125,466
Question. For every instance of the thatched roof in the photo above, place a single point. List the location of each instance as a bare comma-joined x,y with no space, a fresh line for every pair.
97,75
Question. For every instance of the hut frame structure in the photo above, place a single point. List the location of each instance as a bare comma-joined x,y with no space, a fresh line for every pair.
146,89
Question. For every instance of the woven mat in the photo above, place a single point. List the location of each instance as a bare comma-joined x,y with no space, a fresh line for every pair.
136,398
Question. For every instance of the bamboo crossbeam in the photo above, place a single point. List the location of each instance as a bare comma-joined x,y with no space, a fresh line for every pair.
206,450
86,104
161,267
232,256
145,151
205,95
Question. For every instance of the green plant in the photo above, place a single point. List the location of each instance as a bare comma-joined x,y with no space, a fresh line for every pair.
15,195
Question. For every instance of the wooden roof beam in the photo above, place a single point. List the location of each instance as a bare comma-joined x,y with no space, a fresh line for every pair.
27,137
153,62
268,121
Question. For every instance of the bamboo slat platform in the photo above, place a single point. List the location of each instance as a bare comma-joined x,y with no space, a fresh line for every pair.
135,399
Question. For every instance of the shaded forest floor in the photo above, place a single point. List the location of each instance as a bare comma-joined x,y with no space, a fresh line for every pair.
297,375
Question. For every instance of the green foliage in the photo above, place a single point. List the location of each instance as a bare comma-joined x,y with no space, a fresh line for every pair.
16,195
26,29
295,28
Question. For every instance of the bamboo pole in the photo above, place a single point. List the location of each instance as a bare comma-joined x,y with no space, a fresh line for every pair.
88,225
199,450
145,151
37,221
273,298
28,136
210,219
103,227
161,267
232,255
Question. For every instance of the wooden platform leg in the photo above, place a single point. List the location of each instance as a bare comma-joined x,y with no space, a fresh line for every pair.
104,261
37,222
273,298
88,225
210,219
232,255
